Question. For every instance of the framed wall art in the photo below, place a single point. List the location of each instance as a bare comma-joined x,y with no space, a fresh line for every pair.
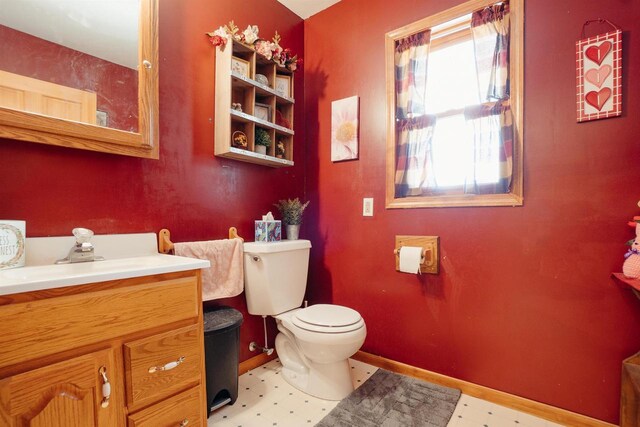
283,86
599,74
240,66
262,112
344,129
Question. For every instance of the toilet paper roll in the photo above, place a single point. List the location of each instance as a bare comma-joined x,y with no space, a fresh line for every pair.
410,257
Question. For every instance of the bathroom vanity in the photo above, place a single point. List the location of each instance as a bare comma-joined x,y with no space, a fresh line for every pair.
117,342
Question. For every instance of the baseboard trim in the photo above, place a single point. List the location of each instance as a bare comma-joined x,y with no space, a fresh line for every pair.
548,412
255,361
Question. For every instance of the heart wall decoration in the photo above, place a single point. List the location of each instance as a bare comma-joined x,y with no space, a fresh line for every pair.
599,75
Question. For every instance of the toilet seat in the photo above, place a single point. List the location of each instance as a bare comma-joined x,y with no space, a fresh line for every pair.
327,318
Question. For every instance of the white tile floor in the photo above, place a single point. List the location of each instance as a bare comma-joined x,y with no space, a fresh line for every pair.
265,399
474,412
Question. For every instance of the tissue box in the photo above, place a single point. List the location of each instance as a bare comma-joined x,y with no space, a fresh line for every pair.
268,231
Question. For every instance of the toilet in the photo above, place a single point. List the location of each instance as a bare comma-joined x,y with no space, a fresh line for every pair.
313,343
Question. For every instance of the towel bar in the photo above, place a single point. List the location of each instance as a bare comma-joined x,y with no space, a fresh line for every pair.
165,245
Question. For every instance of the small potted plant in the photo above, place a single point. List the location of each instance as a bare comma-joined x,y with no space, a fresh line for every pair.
262,141
291,211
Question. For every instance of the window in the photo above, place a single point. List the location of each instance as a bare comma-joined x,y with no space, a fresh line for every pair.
454,90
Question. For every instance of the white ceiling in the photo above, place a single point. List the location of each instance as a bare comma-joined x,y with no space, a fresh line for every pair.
107,29
306,8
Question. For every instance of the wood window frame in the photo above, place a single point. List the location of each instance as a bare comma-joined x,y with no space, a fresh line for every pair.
516,70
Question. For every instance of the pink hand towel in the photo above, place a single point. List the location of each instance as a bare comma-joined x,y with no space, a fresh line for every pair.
225,277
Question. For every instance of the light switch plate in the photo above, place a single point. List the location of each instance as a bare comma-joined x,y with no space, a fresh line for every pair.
367,206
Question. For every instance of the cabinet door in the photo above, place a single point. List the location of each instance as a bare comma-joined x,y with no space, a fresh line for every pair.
70,394
38,96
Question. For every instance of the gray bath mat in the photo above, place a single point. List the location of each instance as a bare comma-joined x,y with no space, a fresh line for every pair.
391,400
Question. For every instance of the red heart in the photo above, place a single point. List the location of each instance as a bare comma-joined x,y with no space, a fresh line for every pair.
598,53
597,76
597,99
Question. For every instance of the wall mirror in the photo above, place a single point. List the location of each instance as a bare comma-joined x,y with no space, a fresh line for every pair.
81,74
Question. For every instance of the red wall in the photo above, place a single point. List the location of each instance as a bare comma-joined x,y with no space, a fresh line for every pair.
191,192
116,87
524,302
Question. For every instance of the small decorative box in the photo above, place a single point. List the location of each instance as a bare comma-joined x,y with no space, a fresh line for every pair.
268,231
12,240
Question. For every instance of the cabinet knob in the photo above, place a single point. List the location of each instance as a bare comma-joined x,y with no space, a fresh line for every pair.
169,366
184,422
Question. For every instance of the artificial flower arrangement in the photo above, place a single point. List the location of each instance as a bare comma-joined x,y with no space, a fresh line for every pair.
269,49
291,210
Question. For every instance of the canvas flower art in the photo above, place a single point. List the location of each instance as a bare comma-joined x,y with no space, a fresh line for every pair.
344,129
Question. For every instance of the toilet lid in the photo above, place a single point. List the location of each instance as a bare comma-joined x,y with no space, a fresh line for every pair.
327,318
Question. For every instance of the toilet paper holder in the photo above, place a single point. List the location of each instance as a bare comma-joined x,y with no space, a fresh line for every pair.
422,258
430,260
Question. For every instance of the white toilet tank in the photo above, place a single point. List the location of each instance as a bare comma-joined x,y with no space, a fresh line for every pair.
275,275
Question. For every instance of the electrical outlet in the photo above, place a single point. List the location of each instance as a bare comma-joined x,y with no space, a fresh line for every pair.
367,206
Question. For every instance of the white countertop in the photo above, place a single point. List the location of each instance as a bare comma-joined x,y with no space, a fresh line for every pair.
127,256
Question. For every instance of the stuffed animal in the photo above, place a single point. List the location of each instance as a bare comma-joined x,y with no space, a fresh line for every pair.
631,266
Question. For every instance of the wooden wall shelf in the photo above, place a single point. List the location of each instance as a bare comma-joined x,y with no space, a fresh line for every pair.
239,86
243,81
630,390
244,117
630,398
634,283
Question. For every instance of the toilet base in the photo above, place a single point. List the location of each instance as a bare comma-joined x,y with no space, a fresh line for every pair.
329,382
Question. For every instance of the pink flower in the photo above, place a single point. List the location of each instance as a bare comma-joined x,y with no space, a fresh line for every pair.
218,37
293,63
218,41
263,47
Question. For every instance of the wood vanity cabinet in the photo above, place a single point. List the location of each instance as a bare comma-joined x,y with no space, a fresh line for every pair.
125,352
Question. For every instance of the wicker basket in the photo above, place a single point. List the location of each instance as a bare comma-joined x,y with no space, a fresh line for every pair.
239,140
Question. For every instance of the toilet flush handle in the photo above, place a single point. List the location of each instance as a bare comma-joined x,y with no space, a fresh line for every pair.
254,257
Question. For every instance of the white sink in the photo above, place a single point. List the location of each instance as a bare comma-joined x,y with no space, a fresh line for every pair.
132,263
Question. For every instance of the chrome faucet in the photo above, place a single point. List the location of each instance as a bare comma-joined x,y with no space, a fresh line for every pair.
83,250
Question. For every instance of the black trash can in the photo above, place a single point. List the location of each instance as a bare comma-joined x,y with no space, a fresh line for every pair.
221,350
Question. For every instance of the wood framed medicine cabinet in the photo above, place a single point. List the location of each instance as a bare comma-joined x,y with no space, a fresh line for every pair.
38,128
